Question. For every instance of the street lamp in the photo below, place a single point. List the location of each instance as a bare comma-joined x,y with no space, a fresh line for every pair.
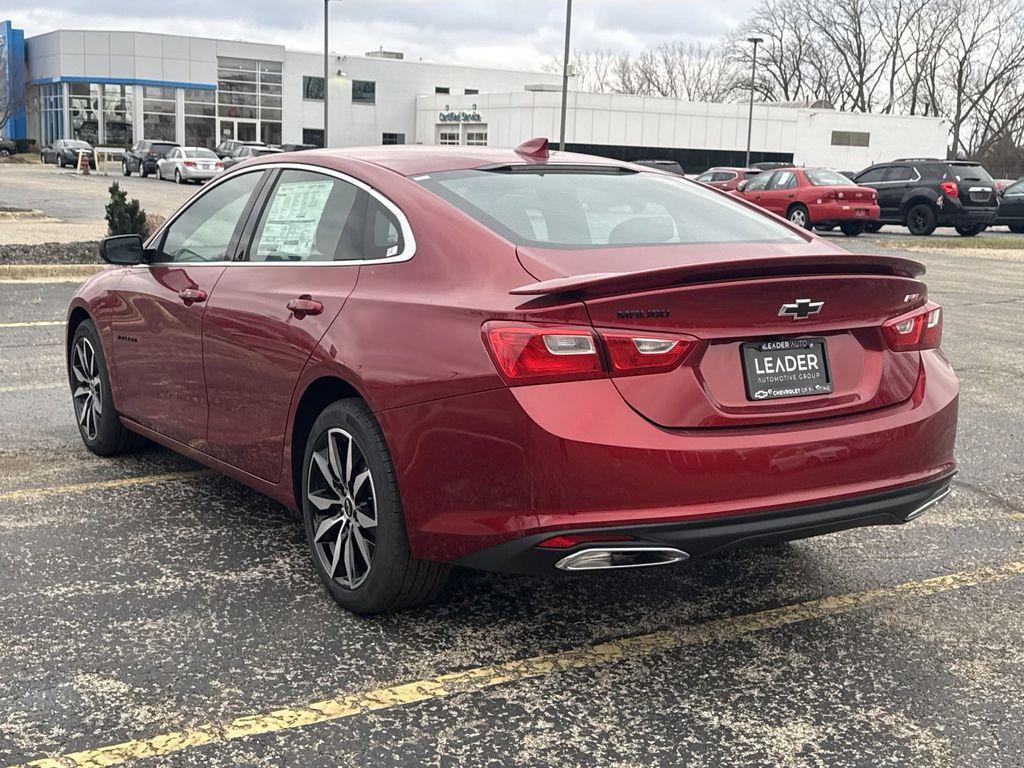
327,64
565,73
753,74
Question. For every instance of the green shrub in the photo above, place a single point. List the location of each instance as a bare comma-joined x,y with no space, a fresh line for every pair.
124,217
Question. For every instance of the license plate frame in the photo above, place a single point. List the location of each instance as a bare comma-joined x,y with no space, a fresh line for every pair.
799,367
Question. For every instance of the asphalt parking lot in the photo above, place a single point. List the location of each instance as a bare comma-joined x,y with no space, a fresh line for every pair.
156,615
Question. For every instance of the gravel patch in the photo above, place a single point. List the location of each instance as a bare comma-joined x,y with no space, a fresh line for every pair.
86,252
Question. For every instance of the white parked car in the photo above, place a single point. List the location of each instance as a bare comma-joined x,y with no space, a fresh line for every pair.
189,164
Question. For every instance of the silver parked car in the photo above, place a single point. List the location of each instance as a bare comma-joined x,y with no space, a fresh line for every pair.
247,152
189,164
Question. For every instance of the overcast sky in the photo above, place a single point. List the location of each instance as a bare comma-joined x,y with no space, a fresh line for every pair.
511,33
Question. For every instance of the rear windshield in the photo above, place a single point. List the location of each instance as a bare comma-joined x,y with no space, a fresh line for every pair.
200,152
569,208
163,149
821,177
76,144
968,172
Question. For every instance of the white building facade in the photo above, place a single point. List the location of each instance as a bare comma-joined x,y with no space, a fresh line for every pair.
115,88
696,134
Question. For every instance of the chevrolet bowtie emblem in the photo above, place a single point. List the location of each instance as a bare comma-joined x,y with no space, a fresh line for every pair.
801,309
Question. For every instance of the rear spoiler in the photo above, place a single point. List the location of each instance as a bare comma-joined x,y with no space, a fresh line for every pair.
711,271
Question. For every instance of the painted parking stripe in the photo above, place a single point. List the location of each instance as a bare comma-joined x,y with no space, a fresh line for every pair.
124,482
482,678
32,324
32,387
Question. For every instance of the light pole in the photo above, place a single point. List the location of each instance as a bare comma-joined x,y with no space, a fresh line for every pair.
753,75
327,64
565,73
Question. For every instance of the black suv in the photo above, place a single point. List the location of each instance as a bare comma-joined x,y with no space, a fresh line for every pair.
923,194
143,156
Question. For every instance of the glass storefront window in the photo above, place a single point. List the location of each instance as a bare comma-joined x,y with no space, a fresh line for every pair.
200,125
118,115
159,113
84,110
248,89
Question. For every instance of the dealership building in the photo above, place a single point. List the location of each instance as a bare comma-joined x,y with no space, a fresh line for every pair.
112,88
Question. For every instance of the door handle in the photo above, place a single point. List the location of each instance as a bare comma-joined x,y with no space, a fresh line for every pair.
191,296
305,305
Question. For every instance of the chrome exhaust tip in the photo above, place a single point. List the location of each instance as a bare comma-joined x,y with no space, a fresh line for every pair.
929,504
609,558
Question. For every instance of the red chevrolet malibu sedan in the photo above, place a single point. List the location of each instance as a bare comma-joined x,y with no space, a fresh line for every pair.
814,197
515,360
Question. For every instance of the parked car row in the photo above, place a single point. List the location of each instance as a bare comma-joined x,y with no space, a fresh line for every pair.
921,194
167,159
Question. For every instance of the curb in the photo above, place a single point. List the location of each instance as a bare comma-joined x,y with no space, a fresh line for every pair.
48,273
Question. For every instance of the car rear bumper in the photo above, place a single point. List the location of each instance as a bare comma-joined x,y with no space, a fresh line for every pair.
481,470
197,174
955,214
839,211
690,540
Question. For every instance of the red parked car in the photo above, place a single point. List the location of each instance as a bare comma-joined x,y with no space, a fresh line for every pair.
516,361
814,197
727,178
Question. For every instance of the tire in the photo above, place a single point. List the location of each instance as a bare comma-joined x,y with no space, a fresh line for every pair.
921,219
798,215
390,579
98,423
873,227
977,229
126,170
1017,229
60,162
177,177
852,228
824,227
5,152
142,170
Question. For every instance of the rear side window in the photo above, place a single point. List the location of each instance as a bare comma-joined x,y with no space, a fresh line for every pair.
587,208
309,217
383,232
900,173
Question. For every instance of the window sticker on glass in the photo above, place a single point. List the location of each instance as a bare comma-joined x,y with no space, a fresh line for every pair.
289,231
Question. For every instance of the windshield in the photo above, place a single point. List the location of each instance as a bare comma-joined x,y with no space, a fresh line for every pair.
586,208
821,177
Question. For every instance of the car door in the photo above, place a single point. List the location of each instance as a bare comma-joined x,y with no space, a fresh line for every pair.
893,191
780,192
272,307
157,326
1011,206
875,179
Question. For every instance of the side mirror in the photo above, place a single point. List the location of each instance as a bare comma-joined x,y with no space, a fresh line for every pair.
742,185
123,250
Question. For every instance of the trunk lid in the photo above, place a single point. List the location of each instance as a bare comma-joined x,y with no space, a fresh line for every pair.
728,302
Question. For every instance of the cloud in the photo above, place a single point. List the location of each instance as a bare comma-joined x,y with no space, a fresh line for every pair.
524,33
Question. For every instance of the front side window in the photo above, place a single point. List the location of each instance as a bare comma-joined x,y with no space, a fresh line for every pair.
758,182
1015,190
706,177
872,176
203,233
585,208
309,217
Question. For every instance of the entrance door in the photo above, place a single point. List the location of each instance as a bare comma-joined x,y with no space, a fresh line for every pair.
243,130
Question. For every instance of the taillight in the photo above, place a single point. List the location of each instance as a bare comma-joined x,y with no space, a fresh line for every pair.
190,163
919,329
529,354
534,354
218,164
630,354
950,189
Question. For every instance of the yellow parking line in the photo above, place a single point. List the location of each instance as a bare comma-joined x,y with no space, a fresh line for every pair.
482,678
31,387
124,482
32,324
